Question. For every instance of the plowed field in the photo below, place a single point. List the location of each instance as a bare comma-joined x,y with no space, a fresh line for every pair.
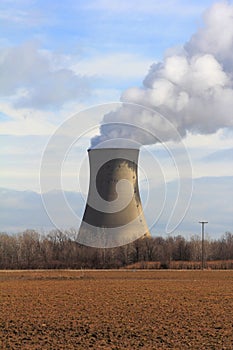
116,310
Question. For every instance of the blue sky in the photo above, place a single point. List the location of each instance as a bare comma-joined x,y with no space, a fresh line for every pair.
76,25
58,58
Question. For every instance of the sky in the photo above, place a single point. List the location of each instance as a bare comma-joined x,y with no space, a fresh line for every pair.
60,59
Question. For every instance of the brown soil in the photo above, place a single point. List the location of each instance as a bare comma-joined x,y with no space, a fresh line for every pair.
116,310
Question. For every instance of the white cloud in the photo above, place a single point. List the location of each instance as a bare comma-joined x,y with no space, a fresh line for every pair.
205,144
35,81
20,160
25,121
203,147
107,95
120,66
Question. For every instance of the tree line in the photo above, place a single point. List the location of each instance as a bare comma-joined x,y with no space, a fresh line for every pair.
59,249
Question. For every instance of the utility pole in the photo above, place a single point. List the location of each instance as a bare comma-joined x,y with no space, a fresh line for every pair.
203,242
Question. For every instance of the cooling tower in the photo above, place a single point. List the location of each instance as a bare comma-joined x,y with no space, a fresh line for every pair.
113,215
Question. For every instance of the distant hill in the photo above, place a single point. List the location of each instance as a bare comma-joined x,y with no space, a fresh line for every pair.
20,210
212,200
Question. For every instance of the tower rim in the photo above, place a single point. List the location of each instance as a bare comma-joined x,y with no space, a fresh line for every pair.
112,149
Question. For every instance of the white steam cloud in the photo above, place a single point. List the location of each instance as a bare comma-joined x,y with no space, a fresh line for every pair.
192,88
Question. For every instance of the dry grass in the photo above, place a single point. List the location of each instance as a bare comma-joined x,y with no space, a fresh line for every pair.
116,310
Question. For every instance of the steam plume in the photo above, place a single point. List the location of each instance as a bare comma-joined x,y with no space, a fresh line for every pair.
192,87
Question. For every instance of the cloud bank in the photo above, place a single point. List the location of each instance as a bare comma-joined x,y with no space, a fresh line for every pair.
192,88
30,78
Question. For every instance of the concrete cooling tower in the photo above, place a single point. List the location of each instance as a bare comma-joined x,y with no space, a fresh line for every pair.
113,215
